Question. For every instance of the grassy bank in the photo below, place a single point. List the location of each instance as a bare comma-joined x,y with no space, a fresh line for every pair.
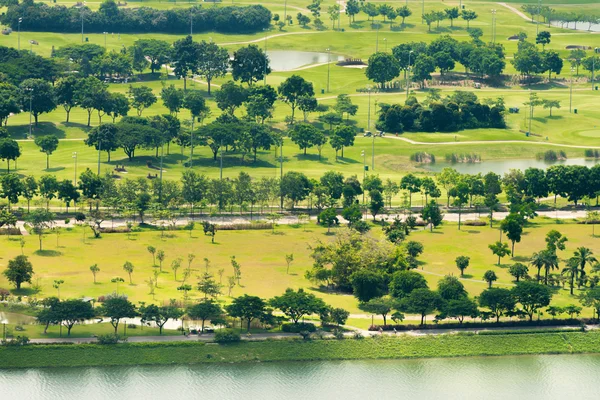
297,350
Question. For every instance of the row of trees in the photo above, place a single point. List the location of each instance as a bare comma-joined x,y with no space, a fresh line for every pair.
461,110
43,17
563,17
421,60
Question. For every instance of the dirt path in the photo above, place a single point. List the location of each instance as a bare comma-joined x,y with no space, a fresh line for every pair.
516,11
414,142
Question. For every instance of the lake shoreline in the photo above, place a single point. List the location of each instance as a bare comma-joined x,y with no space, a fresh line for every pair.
384,347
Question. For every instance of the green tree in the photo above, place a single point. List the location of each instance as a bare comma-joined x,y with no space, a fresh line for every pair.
205,310
532,296
186,53
230,97
572,270
89,94
543,38
328,217
452,13
490,276
64,91
382,68
128,267
157,51
376,203
295,186
39,94
94,269
379,306
512,226
296,304
142,97
70,312
518,270
103,138
247,307
172,98
499,249
404,282
116,308
432,214
462,262
47,144
421,301
250,64
40,220
500,301
9,150
159,315
293,89
468,15
19,271
411,184
460,308
367,284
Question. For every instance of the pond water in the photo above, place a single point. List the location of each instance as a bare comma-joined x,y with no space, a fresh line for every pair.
503,166
287,60
16,319
581,26
506,378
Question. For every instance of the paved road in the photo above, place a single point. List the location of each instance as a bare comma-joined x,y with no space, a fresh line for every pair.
488,142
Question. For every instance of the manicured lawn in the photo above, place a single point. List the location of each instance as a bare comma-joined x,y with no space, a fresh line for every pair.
84,331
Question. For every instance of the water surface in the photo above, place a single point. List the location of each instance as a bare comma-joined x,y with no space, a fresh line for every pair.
503,378
287,60
503,166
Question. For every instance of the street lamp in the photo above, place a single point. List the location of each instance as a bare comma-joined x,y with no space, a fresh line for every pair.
369,109
408,71
373,145
82,9
422,11
364,156
30,107
537,22
571,91
594,64
105,33
192,143
74,156
19,34
281,171
4,322
493,26
328,66
377,40
530,110
31,43
385,44
265,70
191,22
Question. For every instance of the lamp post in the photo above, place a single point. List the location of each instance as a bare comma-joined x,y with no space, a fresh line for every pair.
385,44
377,40
494,26
192,143
364,156
571,91
30,90
369,110
373,145
105,33
74,156
4,322
408,73
594,64
285,11
422,11
537,24
265,70
530,109
82,9
162,153
99,151
191,23
281,171
19,34
328,66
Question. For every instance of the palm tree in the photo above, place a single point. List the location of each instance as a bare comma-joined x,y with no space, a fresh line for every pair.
544,259
584,255
538,262
572,269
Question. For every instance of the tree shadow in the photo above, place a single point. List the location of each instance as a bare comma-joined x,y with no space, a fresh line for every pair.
520,259
54,169
473,231
28,291
48,253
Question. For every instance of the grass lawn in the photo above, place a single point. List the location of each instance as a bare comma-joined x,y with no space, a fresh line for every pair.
264,272
84,331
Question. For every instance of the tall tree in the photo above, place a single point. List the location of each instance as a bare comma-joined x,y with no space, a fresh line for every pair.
213,61
47,144
293,89
39,95
186,53
250,64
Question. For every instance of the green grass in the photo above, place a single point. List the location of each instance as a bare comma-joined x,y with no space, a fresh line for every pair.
296,350
264,273
84,331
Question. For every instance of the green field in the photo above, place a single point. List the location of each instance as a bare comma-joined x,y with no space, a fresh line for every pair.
297,350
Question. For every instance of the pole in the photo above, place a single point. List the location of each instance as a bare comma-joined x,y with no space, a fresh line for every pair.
162,151
377,40
328,66
75,157
422,11
530,109
571,93
369,111
373,146
191,24
99,150
221,161
537,25
265,70
82,25
30,102
105,40
385,44
281,170
408,79
19,34
364,173
192,143
285,11
594,65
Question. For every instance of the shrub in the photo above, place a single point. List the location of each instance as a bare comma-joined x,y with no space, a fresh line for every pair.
338,334
299,327
4,293
18,341
305,335
109,338
227,336
475,223
422,157
551,155
592,153
469,158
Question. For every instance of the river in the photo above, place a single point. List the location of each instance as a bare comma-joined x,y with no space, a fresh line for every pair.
506,378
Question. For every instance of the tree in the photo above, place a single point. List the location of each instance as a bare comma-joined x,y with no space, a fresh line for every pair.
205,310
576,58
379,306
247,307
412,184
518,270
250,64
432,214
512,226
328,217
230,97
367,284
94,269
64,90
117,308
499,249
103,137
468,15
116,105
543,38
352,9
208,286
9,150
142,97
591,298
376,203
404,282
47,145
532,296
550,104
296,304
498,300
462,262
295,186
186,53
490,276
89,95
404,12
452,13
19,271
11,188
39,94
67,192
460,308
128,267
40,220
293,89
334,14
461,196
584,256
172,98
382,68
159,315
73,311
213,61
421,301
552,62
195,103
528,60
157,51
444,61
451,288
573,269
422,69
303,19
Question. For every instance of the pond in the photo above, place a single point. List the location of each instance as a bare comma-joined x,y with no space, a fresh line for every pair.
503,166
581,26
506,378
287,60
16,319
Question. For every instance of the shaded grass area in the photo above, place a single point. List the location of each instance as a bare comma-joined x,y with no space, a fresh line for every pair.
84,331
297,350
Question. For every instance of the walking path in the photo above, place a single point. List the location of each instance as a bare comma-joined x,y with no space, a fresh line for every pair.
516,11
414,142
